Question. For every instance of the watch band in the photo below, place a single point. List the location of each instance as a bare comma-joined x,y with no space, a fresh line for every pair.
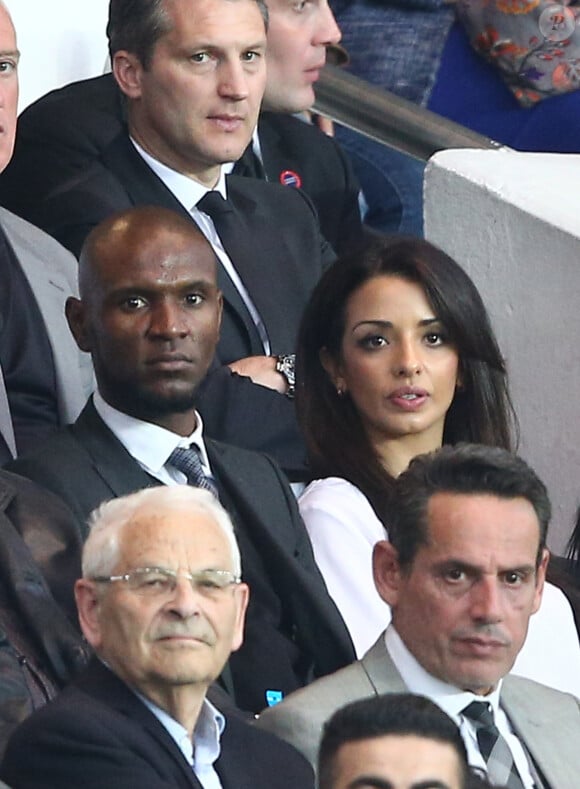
285,365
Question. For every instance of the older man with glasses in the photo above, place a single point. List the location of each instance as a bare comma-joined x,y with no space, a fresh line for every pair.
162,603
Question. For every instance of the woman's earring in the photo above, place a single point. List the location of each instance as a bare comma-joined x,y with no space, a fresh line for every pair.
340,391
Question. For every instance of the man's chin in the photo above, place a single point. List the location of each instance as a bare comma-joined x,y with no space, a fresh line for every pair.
154,405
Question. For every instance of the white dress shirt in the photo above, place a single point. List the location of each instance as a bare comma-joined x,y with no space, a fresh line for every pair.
204,751
343,529
452,700
151,445
189,193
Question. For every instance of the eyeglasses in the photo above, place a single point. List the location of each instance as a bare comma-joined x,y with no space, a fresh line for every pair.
160,582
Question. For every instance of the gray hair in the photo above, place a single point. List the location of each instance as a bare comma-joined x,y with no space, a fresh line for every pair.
101,549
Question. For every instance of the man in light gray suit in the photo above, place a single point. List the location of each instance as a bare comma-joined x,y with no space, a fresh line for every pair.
44,380
463,572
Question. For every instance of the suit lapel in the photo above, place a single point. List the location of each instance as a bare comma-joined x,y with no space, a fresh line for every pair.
119,470
105,687
138,179
274,156
7,439
381,670
275,241
547,723
238,493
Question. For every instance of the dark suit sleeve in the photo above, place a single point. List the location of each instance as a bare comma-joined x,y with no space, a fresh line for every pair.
321,629
70,213
327,253
231,405
88,750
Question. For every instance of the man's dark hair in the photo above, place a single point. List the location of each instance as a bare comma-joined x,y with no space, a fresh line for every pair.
463,469
137,25
397,714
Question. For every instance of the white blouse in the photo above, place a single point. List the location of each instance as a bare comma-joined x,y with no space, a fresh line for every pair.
343,529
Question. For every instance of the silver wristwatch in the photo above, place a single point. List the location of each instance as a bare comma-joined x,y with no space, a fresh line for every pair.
285,364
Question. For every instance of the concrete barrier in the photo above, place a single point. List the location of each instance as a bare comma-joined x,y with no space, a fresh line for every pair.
512,220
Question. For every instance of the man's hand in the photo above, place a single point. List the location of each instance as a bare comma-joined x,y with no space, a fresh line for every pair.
262,370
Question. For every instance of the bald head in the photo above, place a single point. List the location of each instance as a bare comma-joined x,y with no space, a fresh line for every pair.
129,232
149,313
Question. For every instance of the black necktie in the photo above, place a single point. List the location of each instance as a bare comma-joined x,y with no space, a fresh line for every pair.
494,749
228,224
188,461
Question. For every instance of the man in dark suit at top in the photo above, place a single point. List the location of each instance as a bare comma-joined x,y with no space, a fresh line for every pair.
162,603
149,315
64,132
463,572
193,76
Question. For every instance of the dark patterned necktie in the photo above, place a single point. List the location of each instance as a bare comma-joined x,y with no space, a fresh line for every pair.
188,461
494,749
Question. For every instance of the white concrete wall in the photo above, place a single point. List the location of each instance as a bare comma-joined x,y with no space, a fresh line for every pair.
60,41
512,220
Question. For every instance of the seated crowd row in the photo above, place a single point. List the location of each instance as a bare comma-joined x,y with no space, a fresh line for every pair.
192,289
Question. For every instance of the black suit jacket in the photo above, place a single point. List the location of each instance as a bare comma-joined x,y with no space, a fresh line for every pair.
98,733
63,132
293,629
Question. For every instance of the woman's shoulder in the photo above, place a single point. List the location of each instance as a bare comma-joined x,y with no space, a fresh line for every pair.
332,489
336,502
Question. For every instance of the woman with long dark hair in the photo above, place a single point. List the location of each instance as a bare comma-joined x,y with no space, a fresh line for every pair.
396,356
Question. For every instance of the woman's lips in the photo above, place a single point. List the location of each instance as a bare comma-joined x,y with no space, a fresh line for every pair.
408,398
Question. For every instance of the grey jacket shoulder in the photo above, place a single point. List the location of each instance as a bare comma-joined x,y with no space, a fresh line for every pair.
52,273
27,238
548,722
300,718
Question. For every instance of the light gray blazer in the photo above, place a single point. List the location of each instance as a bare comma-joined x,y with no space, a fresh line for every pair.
546,721
52,274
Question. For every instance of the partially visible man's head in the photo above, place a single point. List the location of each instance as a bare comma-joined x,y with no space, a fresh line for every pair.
397,741
161,599
149,313
299,32
465,566
9,57
194,74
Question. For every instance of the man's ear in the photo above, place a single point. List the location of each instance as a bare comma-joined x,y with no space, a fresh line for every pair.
333,370
75,312
89,609
220,302
127,70
540,579
242,593
386,572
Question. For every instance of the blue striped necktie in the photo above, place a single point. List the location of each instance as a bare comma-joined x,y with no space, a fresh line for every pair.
188,461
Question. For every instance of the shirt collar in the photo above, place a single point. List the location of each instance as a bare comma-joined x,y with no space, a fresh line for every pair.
188,191
451,699
210,724
150,445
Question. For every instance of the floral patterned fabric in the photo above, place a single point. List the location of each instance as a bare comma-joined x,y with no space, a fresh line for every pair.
534,43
